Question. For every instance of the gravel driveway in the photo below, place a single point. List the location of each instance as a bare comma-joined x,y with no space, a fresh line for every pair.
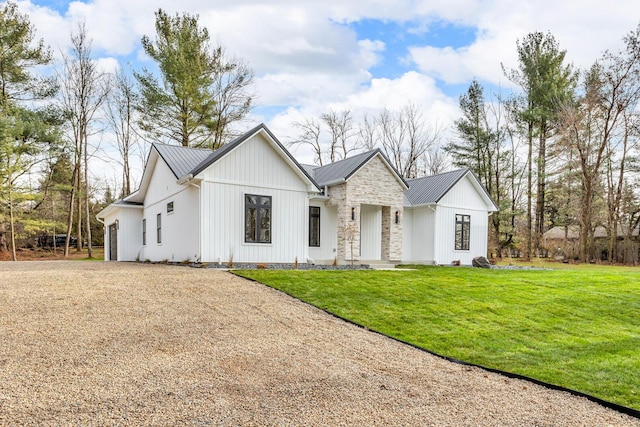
135,344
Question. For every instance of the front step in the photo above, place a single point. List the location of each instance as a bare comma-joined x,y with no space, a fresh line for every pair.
380,266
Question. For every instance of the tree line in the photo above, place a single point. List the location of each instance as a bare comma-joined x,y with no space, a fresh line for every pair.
51,127
560,151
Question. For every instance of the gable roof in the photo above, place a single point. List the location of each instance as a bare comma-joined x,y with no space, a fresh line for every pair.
187,162
181,160
342,170
431,189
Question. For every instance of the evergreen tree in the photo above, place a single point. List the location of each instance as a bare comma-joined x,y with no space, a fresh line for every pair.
546,82
192,104
25,134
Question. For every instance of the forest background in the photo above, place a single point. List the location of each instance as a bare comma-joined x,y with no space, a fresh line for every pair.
558,150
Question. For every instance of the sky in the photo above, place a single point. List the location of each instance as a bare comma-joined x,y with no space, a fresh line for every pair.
310,56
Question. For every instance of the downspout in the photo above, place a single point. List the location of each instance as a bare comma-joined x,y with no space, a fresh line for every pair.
199,254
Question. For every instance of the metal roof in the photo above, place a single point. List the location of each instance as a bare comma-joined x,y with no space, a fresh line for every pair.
185,161
430,189
342,169
181,160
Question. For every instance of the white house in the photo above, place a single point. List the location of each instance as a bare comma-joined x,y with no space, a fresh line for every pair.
251,201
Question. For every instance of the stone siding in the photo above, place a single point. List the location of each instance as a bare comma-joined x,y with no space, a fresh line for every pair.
372,184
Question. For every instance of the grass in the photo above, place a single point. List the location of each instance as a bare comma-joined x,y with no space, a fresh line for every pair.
577,328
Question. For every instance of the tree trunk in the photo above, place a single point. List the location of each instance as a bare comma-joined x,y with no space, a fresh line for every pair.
12,224
86,198
529,188
540,194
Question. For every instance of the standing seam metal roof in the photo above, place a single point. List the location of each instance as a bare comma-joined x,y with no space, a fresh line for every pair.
181,160
185,160
430,189
343,169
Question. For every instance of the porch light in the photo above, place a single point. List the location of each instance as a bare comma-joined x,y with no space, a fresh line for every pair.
117,224
397,217
353,214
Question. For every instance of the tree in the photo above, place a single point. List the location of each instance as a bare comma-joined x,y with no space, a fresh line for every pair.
200,93
25,137
340,125
309,132
331,138
482,132
121,118
476,142
600,126
546,81
24,132
84,90
233,97
405,138
19,54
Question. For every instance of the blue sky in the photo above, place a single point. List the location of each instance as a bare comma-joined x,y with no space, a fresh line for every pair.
360,55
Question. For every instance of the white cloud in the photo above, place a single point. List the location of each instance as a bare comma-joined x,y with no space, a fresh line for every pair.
584,29
307,58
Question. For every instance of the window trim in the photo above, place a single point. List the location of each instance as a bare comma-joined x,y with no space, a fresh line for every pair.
159,228
144,232
312,216
464,244
259,205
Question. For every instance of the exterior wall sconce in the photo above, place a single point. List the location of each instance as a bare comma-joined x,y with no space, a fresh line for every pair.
397,217
117,224
353,214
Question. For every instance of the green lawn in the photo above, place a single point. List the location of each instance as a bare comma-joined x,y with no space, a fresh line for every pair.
577,328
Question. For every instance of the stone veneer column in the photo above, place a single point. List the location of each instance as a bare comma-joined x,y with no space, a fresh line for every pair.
386,232
395,250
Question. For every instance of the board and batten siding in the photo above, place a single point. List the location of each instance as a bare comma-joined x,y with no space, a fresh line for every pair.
179,230
326,253
419,238
445,252
463,194
253,167
129,233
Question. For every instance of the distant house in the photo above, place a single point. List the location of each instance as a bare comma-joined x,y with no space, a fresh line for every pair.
565,242
251,201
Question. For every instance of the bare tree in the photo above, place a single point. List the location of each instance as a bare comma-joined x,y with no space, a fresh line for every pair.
84,88
120,114
309,134
367,133
340,125
434,161
405,138
233,95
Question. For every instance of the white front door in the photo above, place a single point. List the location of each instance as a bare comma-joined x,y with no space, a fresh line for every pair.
370,233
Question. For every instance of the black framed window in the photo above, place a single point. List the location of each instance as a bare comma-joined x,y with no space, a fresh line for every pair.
159,228
463,227
170,207
257,219
144,231
314,226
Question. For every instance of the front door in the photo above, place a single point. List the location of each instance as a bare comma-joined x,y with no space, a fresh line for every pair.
113,242
370,232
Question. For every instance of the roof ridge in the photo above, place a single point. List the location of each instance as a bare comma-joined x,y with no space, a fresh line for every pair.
439,174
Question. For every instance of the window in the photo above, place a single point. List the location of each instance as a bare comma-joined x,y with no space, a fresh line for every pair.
159,228
314,226
257,219
144,231
463,226
170,207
